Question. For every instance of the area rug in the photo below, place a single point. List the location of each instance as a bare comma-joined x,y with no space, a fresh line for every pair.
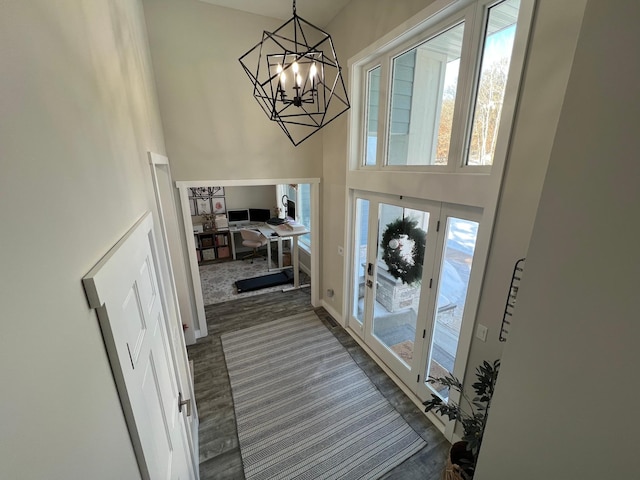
305,410
218,280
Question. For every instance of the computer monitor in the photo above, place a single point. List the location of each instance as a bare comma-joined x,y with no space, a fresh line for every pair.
238,216
291,209
259,214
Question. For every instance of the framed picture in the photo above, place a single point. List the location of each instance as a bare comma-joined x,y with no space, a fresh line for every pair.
219,205
203,206
192,206
206,192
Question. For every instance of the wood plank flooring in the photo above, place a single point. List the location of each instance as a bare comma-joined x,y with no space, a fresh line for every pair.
219,450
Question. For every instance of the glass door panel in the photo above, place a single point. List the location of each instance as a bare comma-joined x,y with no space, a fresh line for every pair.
401,244
455,269
360,259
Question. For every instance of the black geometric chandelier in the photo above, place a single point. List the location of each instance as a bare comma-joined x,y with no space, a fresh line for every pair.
296,78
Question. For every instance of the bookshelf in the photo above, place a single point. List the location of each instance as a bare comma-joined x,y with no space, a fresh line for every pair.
212,246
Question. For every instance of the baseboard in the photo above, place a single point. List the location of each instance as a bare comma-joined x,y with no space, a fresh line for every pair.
333,312
304,268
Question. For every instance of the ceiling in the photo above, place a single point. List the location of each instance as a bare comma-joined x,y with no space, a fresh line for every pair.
319,13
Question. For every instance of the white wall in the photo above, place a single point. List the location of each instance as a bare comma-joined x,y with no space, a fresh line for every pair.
78,116
568,391
214,128
255,196
551,49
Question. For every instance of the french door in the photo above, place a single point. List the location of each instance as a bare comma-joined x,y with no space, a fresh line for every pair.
412,261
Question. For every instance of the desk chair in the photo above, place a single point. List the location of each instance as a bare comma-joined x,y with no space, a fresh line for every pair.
255,240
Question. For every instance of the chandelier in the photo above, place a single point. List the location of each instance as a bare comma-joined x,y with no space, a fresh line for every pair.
296,78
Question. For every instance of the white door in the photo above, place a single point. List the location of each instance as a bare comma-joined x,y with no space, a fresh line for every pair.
162,185
409,308
124,289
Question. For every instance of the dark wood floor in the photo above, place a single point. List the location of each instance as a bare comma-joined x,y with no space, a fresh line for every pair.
219,450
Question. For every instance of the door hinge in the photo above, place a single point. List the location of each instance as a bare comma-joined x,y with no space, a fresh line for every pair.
182,403
438,226
424,333
418,378
430,282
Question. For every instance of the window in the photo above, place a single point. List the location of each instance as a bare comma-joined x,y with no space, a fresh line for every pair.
373,97
423,94
498,44
443,107
304,212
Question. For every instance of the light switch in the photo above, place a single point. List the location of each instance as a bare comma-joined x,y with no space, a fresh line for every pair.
481,332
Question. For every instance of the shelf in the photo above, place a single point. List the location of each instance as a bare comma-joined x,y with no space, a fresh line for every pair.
212,246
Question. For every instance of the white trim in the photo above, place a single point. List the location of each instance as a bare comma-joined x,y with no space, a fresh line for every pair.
333,312
435,420
414,26
156,159
244,183
191,247
315,241
201,331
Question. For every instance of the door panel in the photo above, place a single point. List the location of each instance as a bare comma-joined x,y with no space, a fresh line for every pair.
124,288
451,278
411,320
397,301
360,261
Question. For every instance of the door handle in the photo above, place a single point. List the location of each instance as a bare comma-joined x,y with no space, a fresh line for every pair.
182,403
370,269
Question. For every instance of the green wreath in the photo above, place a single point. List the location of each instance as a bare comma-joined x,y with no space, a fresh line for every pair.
407,270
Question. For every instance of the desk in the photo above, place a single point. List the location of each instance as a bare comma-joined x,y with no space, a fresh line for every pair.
284,231
272,236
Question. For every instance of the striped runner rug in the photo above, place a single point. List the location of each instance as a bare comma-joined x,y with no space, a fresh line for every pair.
304,408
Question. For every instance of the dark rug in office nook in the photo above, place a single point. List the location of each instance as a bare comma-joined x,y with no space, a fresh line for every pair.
304,408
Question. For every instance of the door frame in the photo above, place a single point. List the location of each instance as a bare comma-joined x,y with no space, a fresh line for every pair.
426,301
410,385
173,311
183,187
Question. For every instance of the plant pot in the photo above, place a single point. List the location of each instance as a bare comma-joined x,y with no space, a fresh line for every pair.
460,463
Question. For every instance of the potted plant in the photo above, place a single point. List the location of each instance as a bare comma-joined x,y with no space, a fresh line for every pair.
470,412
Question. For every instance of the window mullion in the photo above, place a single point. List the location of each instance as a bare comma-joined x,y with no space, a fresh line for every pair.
383,111
469,68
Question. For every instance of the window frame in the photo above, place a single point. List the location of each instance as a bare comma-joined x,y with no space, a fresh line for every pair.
474,15
463,186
